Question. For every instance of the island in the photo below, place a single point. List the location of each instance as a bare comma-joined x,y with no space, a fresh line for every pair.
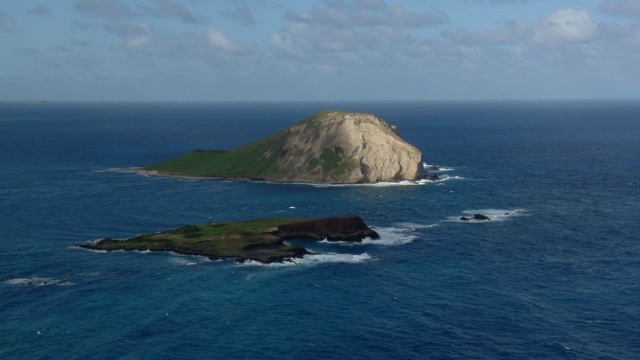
258,240
332,147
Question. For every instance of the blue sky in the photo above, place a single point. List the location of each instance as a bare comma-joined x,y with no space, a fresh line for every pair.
245,50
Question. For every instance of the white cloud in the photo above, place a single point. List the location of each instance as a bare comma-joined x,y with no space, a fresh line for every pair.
354,34
624,8
135,37
115,9
565,26
39,10
219,40
102,8
479,37
286,44
171,9
139,38
241,14
7,23
368,13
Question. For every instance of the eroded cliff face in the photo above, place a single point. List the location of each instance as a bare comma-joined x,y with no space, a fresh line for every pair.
341,147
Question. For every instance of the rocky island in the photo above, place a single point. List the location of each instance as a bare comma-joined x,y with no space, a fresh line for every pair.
258,240
331,147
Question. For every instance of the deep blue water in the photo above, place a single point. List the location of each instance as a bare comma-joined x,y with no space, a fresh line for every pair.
557,278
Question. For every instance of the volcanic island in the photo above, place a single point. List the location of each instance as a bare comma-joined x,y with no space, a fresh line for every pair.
333,147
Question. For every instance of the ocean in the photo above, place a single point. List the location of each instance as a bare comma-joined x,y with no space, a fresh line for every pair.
554,275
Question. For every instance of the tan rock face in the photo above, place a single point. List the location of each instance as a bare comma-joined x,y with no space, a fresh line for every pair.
339,147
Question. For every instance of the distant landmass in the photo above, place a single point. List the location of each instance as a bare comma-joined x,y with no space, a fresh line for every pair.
331,147
257,240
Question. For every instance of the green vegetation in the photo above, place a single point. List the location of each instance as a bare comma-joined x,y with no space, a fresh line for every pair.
332,160
261,160
247,240
317,120
256,160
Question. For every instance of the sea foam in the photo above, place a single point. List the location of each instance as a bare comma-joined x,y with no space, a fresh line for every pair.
403,233
494,215
38,281
315,259
430,168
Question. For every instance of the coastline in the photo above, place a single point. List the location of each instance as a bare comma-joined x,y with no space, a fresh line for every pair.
156,173
261,240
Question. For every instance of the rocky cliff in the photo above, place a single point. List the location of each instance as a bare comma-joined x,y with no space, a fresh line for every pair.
341,147
331,147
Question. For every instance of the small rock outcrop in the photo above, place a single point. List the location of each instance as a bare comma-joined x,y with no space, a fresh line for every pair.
350,229
477,217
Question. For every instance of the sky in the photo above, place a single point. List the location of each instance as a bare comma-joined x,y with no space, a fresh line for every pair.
325,50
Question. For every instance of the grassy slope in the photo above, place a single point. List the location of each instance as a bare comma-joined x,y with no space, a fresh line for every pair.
241,240
257,160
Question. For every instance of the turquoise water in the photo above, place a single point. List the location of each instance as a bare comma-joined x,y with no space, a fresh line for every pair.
558,277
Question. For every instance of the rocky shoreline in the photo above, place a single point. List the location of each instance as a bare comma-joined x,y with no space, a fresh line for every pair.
257,240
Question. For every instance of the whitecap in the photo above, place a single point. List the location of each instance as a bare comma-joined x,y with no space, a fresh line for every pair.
411,225
436,168
99,251
38,281
147,251
315,259
378,184
447,178
189,260
494,215
118,169
391,236
183,262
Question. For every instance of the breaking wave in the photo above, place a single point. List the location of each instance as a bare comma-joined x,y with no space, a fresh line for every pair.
315,259
390,236
39,281
493,215
136,170
378,184
436,168
403,233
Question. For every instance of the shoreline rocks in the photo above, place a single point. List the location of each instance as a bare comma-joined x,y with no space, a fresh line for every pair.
258,240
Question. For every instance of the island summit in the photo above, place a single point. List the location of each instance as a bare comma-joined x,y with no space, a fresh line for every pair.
331,147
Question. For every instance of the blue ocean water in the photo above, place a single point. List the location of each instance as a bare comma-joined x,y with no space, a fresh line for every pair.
554,275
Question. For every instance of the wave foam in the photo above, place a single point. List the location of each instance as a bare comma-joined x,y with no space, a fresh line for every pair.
436,168
494,215
378,184
447,178
414,226
38,281
315,259
189,260
118,169
390,236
